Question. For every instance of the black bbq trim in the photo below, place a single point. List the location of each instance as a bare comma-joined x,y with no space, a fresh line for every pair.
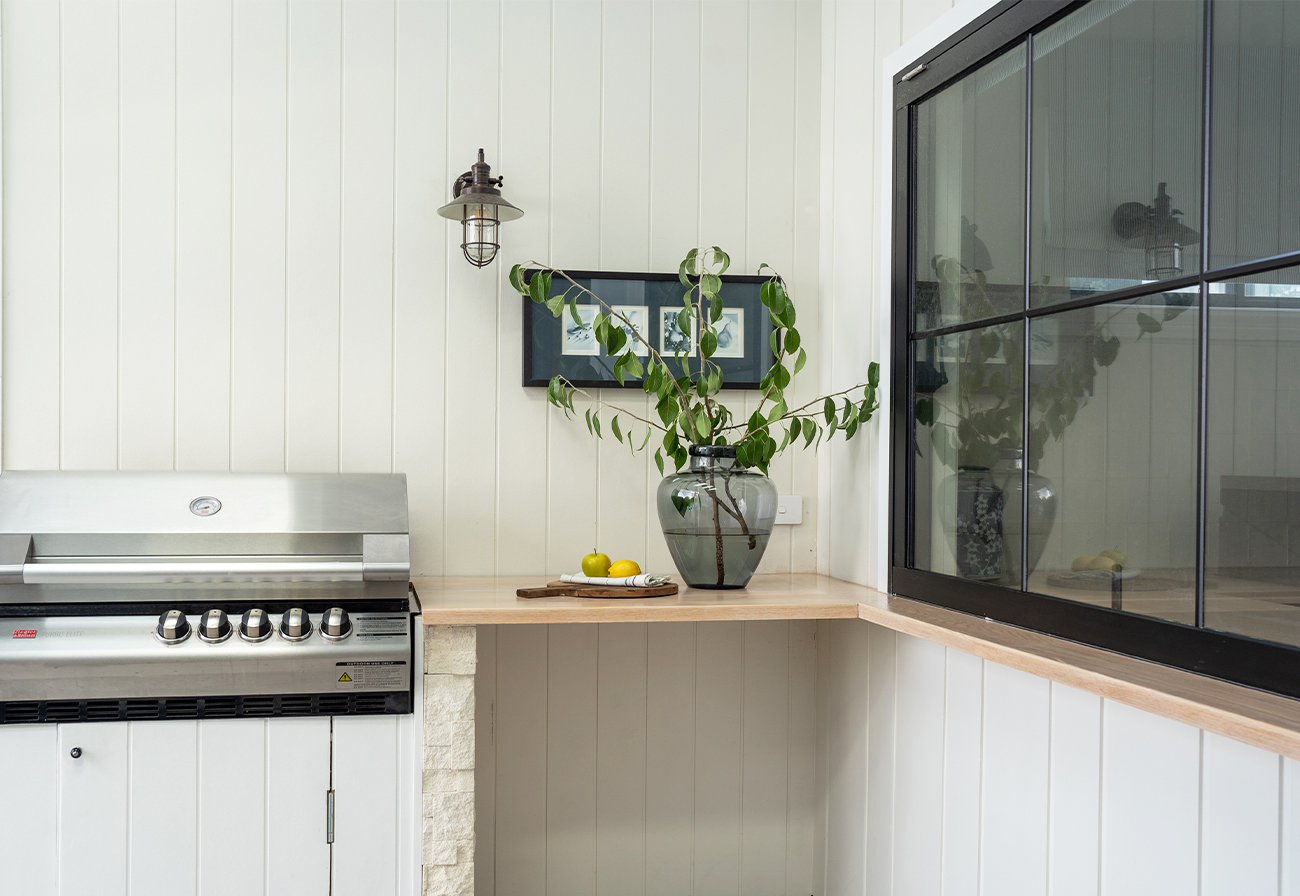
194,608
1265,665
246,706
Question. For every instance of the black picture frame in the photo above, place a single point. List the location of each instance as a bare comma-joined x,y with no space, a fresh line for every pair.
545,352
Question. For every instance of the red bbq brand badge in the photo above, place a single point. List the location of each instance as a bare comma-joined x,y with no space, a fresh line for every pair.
24,633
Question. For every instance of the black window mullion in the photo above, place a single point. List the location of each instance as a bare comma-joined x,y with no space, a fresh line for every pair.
1024,328
1203,330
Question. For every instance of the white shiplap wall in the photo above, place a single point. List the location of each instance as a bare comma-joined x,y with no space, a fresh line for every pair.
222,249
661,759
961,776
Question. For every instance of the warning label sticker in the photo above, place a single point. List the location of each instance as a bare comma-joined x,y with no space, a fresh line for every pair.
372,676
370,626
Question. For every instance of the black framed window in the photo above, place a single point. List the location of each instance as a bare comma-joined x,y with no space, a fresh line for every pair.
1097,328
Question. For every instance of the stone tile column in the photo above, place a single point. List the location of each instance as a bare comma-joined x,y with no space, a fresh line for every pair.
450,657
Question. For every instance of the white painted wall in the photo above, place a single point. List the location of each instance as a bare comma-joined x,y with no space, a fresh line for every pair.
623,759
961,776
222,249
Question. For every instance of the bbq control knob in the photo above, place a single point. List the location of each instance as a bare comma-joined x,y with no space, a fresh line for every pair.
295,625
335,624
255,626
214,627
173,627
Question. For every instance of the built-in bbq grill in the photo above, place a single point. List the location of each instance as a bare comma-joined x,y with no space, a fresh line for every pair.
203,595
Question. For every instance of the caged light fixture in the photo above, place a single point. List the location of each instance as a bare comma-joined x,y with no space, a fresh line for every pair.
480,208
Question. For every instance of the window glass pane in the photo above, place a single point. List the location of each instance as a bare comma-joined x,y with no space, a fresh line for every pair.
1112,444
1252,523
1116,148
969,403
970,196
1255,174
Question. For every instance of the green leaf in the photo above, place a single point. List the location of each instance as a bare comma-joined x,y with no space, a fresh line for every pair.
682,503
809,430
595,421
616,339
703,425
1106,351
682,272
573,310
829,410
667,410
710,284
800,360
645,441
765,293
743,452
925,411
659,460
780,376
517,280
634,366
873,374
590,431
775,341
715,309
555,304
709,342
671,442
791,341
691,258
718,254
535,289
1147,324
777,412
851,429
684,321
614,428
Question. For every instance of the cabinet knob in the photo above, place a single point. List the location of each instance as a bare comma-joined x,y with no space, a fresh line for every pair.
75,753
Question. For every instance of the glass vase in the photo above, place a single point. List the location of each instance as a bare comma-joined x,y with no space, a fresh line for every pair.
717,518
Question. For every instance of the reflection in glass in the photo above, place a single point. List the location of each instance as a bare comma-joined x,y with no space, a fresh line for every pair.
969,404
1116,148
970,196
1252,523
1113,427
1255,131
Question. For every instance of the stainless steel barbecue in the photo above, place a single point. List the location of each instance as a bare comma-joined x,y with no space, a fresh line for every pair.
202,595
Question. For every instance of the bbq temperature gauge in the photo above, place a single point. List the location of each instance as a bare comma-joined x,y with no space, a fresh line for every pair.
205,506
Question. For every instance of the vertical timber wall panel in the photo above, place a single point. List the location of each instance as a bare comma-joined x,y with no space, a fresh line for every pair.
1043,789
656,759
224,252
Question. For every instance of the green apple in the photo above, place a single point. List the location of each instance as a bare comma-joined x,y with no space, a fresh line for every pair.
595,565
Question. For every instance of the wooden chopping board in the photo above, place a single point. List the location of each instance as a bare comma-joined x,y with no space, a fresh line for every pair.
567,589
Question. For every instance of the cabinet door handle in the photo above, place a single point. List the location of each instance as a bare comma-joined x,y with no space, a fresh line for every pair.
76,753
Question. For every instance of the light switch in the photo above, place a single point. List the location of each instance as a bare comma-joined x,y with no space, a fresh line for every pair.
789,510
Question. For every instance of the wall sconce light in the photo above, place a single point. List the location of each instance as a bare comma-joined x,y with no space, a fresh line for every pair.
480,208
1157,229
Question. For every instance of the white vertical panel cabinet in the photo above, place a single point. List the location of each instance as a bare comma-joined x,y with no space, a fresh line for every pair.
206,808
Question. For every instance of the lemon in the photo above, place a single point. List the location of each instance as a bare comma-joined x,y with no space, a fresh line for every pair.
1117,555
1103,563
595,565
623,568
1081,563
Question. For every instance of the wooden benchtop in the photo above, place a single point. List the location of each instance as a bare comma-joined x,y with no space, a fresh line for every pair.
1255,717
492,601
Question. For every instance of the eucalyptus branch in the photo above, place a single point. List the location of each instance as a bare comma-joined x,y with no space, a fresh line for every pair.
689,405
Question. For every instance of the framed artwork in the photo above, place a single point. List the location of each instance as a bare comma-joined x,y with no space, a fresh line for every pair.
650,304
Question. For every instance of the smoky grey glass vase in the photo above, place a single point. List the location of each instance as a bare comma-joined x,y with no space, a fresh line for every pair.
717,518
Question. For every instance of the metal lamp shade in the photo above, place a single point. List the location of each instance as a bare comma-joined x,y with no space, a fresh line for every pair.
480,211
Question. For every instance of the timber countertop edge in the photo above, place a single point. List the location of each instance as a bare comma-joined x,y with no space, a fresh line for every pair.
1264,720
467,600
